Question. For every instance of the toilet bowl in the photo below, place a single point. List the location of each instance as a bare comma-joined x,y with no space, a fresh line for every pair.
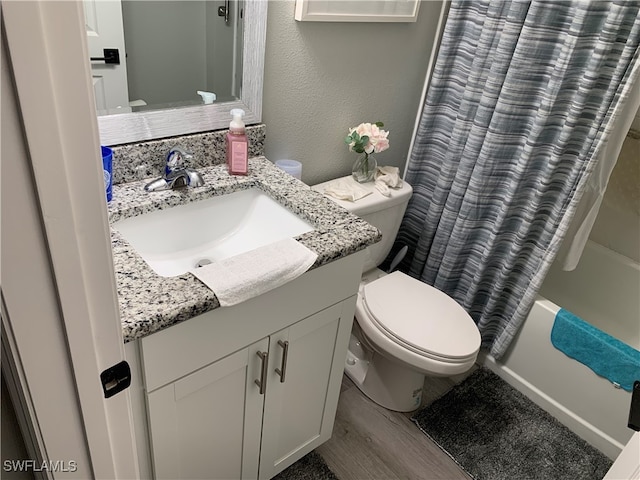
413,330
404,328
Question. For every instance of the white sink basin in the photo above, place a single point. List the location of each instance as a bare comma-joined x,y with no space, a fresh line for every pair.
175,240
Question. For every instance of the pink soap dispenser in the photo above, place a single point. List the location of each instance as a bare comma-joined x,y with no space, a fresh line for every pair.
237,145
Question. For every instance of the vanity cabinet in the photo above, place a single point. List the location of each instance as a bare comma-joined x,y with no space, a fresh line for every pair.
245,391
209,424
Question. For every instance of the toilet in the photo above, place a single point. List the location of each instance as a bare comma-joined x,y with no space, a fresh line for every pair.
404,328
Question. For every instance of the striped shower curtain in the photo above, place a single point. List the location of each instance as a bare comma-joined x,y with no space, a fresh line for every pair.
521,99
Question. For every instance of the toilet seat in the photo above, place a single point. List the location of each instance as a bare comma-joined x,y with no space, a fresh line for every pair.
421,319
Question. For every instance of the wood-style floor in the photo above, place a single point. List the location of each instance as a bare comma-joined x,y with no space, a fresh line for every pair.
372,443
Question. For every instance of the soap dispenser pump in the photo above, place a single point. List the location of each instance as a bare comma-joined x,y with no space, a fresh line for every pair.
237,145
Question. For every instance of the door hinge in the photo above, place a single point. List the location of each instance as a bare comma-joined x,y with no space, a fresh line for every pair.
115,379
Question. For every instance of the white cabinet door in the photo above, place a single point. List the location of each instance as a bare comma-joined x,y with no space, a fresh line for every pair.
300,410
207,424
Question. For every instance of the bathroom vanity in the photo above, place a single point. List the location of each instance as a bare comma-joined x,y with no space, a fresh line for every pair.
252,388
241,391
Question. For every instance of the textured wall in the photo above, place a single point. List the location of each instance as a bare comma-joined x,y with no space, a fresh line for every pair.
323,77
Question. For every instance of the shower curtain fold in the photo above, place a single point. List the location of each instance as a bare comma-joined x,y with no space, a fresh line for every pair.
521,99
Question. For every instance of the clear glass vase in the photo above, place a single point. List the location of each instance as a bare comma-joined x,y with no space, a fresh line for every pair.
364,169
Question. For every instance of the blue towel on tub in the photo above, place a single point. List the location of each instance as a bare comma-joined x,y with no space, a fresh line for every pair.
605,355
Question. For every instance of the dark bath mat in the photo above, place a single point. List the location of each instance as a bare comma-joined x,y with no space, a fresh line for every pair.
494,432
309,467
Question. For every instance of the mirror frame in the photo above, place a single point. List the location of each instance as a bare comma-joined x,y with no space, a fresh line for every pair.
124,128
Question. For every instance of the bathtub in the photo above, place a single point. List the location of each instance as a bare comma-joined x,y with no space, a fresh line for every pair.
602,290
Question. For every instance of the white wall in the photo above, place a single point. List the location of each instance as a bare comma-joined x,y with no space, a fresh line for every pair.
322,78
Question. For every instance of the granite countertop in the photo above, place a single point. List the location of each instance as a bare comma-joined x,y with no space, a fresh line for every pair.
149,302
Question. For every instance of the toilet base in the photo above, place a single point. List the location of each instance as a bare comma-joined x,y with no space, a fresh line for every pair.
390,384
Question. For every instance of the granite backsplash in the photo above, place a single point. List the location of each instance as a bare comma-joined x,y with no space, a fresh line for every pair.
145,160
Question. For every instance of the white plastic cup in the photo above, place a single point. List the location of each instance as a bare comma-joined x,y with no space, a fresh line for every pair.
292,167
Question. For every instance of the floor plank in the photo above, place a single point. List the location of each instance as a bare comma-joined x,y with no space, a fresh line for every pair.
370,442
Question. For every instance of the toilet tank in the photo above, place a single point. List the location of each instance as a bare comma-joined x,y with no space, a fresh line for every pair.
384,213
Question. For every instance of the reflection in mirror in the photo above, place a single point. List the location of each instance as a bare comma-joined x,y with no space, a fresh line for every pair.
172,50
175,49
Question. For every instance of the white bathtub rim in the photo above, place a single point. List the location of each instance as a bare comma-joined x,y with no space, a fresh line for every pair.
585,430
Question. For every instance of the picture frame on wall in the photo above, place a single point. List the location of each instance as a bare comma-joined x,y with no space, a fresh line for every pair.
357,10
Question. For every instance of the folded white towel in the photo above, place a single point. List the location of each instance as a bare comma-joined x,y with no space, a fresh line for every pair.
346,189
387,177
247,275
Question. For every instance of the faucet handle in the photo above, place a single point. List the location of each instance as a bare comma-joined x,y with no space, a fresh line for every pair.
176,158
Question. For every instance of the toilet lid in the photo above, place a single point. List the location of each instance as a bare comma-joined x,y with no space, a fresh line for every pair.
421,316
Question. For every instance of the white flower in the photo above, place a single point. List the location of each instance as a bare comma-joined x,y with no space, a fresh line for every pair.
377,139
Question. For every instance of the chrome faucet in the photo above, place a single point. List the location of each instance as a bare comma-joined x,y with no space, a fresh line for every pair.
176,174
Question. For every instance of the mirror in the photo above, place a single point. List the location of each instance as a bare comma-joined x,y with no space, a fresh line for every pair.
174,48
177,115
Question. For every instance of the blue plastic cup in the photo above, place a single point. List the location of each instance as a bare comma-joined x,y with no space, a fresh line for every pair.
107,161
